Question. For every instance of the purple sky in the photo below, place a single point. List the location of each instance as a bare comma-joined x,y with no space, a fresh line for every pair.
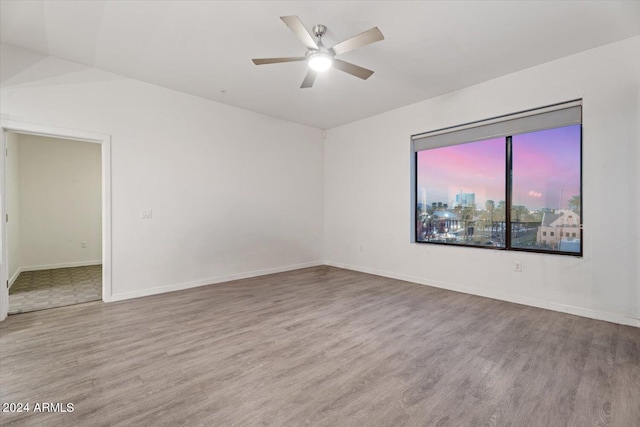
546,167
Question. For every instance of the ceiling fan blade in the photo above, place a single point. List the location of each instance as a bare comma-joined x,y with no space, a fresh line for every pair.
262,61
295,24
354,70
370,36
309,79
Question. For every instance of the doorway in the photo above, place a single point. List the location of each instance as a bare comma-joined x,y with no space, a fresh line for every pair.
56,203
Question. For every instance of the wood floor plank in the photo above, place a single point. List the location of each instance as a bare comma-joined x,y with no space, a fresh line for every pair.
319,346
593,396
625,405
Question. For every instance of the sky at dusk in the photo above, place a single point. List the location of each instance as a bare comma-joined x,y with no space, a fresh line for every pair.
546,170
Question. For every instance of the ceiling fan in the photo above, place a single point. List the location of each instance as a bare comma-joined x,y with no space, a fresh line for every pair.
321,58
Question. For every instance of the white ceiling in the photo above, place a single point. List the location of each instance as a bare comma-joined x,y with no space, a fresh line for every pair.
205,47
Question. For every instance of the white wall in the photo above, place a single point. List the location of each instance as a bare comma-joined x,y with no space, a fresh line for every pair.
13,206
233,192
60,202
367,197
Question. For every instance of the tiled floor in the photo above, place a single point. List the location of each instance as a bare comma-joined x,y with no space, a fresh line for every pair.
40,290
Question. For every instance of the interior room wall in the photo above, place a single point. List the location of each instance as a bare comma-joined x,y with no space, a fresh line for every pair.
367,196
232,193
13,206
236,193
60,189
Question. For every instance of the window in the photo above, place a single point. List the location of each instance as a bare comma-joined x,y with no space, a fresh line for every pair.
447,205
505,183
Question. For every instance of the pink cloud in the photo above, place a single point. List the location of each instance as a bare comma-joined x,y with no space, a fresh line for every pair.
546,169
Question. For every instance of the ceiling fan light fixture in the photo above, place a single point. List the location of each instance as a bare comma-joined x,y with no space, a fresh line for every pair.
320,61
320,58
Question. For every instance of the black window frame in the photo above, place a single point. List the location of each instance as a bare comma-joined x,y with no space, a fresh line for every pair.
508,193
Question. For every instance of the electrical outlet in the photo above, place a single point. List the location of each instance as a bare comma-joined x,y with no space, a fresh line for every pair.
146,213
361,248
517,266
83,244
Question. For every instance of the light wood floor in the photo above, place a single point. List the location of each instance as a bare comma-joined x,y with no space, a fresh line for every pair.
319,346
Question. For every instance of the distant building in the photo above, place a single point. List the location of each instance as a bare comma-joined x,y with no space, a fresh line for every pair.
437,225
465,199
560,230
567,245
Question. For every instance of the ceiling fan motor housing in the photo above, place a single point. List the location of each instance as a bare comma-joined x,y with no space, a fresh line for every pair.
319,30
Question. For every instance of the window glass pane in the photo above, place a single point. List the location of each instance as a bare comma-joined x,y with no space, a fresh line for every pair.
546,190
460,194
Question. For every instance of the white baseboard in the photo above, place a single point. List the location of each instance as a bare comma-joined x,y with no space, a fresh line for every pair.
14,277
50,267
210,281
534,302
62,265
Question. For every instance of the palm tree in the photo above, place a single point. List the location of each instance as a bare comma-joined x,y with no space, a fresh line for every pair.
499,217
490,205
499,210
574,204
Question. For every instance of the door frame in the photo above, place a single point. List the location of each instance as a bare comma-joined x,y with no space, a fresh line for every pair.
42,130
